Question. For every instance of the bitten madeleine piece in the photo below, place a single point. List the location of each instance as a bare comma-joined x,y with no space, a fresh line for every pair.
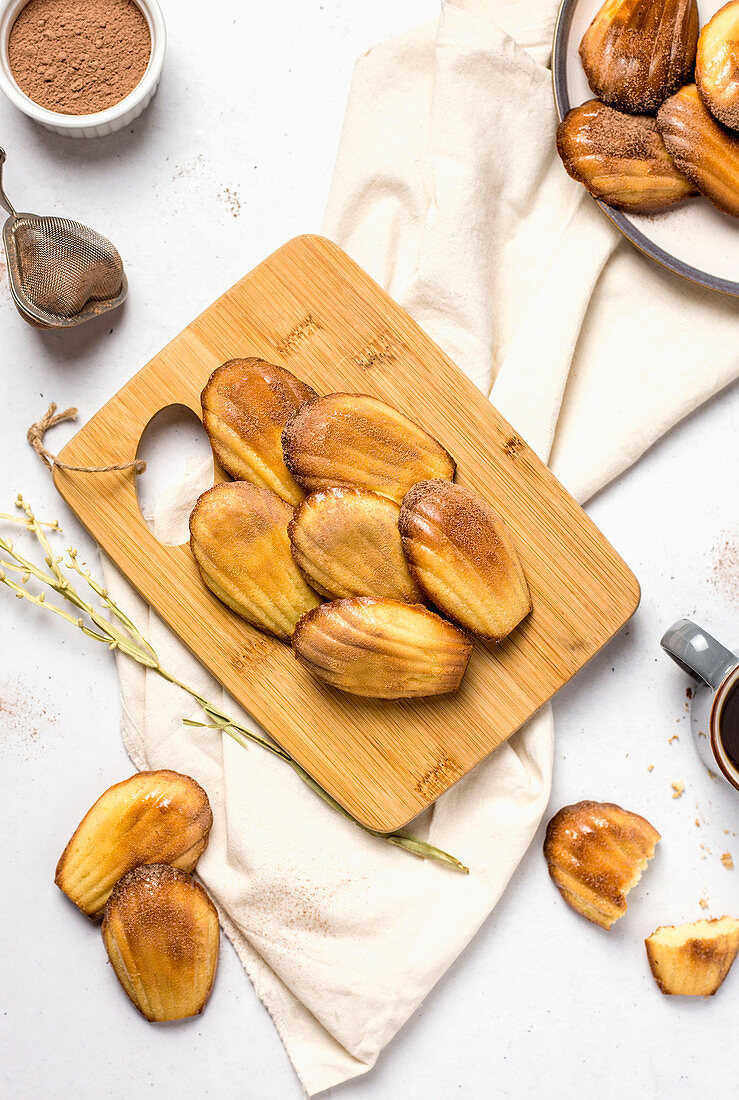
636,53
702,149
246,404
463,557
153,817
347,543
161,933
355,441
238,536
382,649
596,852
621,159
693,959
717,65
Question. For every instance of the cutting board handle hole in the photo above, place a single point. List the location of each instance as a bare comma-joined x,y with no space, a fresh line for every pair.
179,464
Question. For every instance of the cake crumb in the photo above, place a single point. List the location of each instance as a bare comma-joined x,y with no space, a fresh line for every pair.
678,788
688,693
650,767
25,717
725,573
727,861
703,903
673,738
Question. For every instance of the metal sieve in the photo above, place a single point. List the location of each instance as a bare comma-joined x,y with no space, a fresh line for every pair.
61,273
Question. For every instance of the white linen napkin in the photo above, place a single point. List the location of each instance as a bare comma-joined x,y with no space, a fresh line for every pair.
447,189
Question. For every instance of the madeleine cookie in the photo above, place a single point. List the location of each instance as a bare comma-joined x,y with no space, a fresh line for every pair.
693,959
246,404
357,442
636,53
702,148
382,649
621,159
153,817
161,933
596,852
347,543
238,536
462,556
717,65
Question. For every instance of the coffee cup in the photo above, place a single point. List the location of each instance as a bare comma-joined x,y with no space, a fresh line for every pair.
703,657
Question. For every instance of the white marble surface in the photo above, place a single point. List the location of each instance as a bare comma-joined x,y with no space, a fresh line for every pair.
233,158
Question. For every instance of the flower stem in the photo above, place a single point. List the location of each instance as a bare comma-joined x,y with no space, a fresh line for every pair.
120,633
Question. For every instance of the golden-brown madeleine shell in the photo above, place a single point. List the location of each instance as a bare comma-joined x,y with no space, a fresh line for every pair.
238,536
636,53
355,441
703,150
161,933
463,557
596,852
382,649
693,959
153,817
621,159
347,543
246,404
717,65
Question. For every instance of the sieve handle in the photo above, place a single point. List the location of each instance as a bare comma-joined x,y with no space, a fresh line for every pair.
4,200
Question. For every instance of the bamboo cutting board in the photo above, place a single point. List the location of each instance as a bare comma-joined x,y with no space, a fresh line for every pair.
311,309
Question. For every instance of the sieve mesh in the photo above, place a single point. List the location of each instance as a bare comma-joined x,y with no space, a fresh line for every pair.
62,265
61,273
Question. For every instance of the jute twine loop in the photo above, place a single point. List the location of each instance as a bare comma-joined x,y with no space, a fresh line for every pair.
35,436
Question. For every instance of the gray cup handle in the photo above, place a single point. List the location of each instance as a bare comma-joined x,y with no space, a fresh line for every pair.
698,653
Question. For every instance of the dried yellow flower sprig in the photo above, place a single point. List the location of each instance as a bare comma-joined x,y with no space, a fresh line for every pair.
118,632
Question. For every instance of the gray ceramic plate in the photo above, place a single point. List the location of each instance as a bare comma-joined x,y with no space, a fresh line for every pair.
695,240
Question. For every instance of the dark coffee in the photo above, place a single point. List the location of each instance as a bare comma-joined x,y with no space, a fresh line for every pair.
729,725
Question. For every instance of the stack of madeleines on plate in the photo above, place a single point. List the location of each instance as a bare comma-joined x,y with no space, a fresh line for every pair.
343,526
665,124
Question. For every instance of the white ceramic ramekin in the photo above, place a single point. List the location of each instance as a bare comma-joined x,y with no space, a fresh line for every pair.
103,122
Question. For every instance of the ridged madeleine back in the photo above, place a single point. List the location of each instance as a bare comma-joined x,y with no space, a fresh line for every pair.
596,852
161,933
636,53
382,649
353,440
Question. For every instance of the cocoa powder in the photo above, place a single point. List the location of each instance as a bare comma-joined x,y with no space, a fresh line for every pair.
78,57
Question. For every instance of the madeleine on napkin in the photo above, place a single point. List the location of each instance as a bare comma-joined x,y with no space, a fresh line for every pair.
246,404
347,543
153,817
161,933
596,852
382,649
462,556
238,536
355,441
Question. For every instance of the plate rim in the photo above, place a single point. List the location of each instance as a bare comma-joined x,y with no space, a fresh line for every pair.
617,218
